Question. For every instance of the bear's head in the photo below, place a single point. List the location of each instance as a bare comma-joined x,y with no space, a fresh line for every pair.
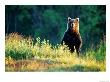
73,24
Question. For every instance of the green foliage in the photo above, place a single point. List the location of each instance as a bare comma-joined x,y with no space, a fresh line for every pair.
50,21
92,24
99,53
19,48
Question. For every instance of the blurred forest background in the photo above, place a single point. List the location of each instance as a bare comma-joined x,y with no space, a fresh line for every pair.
50,22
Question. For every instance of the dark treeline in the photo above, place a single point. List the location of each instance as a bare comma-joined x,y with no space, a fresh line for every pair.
50,21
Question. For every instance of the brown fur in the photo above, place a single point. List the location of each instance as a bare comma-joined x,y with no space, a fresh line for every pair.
72,36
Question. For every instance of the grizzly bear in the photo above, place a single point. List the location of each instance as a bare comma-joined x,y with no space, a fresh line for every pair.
72,36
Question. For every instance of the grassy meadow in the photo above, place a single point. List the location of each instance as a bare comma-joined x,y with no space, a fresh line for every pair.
24,54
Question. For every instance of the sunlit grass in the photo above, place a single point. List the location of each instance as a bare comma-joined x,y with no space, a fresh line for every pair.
22,54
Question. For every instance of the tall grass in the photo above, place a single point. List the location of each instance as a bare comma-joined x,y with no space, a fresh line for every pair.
42,56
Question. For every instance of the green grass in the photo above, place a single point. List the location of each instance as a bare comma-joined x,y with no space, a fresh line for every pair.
22,54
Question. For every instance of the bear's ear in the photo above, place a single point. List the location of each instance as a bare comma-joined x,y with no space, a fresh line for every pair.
77,19
69,18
